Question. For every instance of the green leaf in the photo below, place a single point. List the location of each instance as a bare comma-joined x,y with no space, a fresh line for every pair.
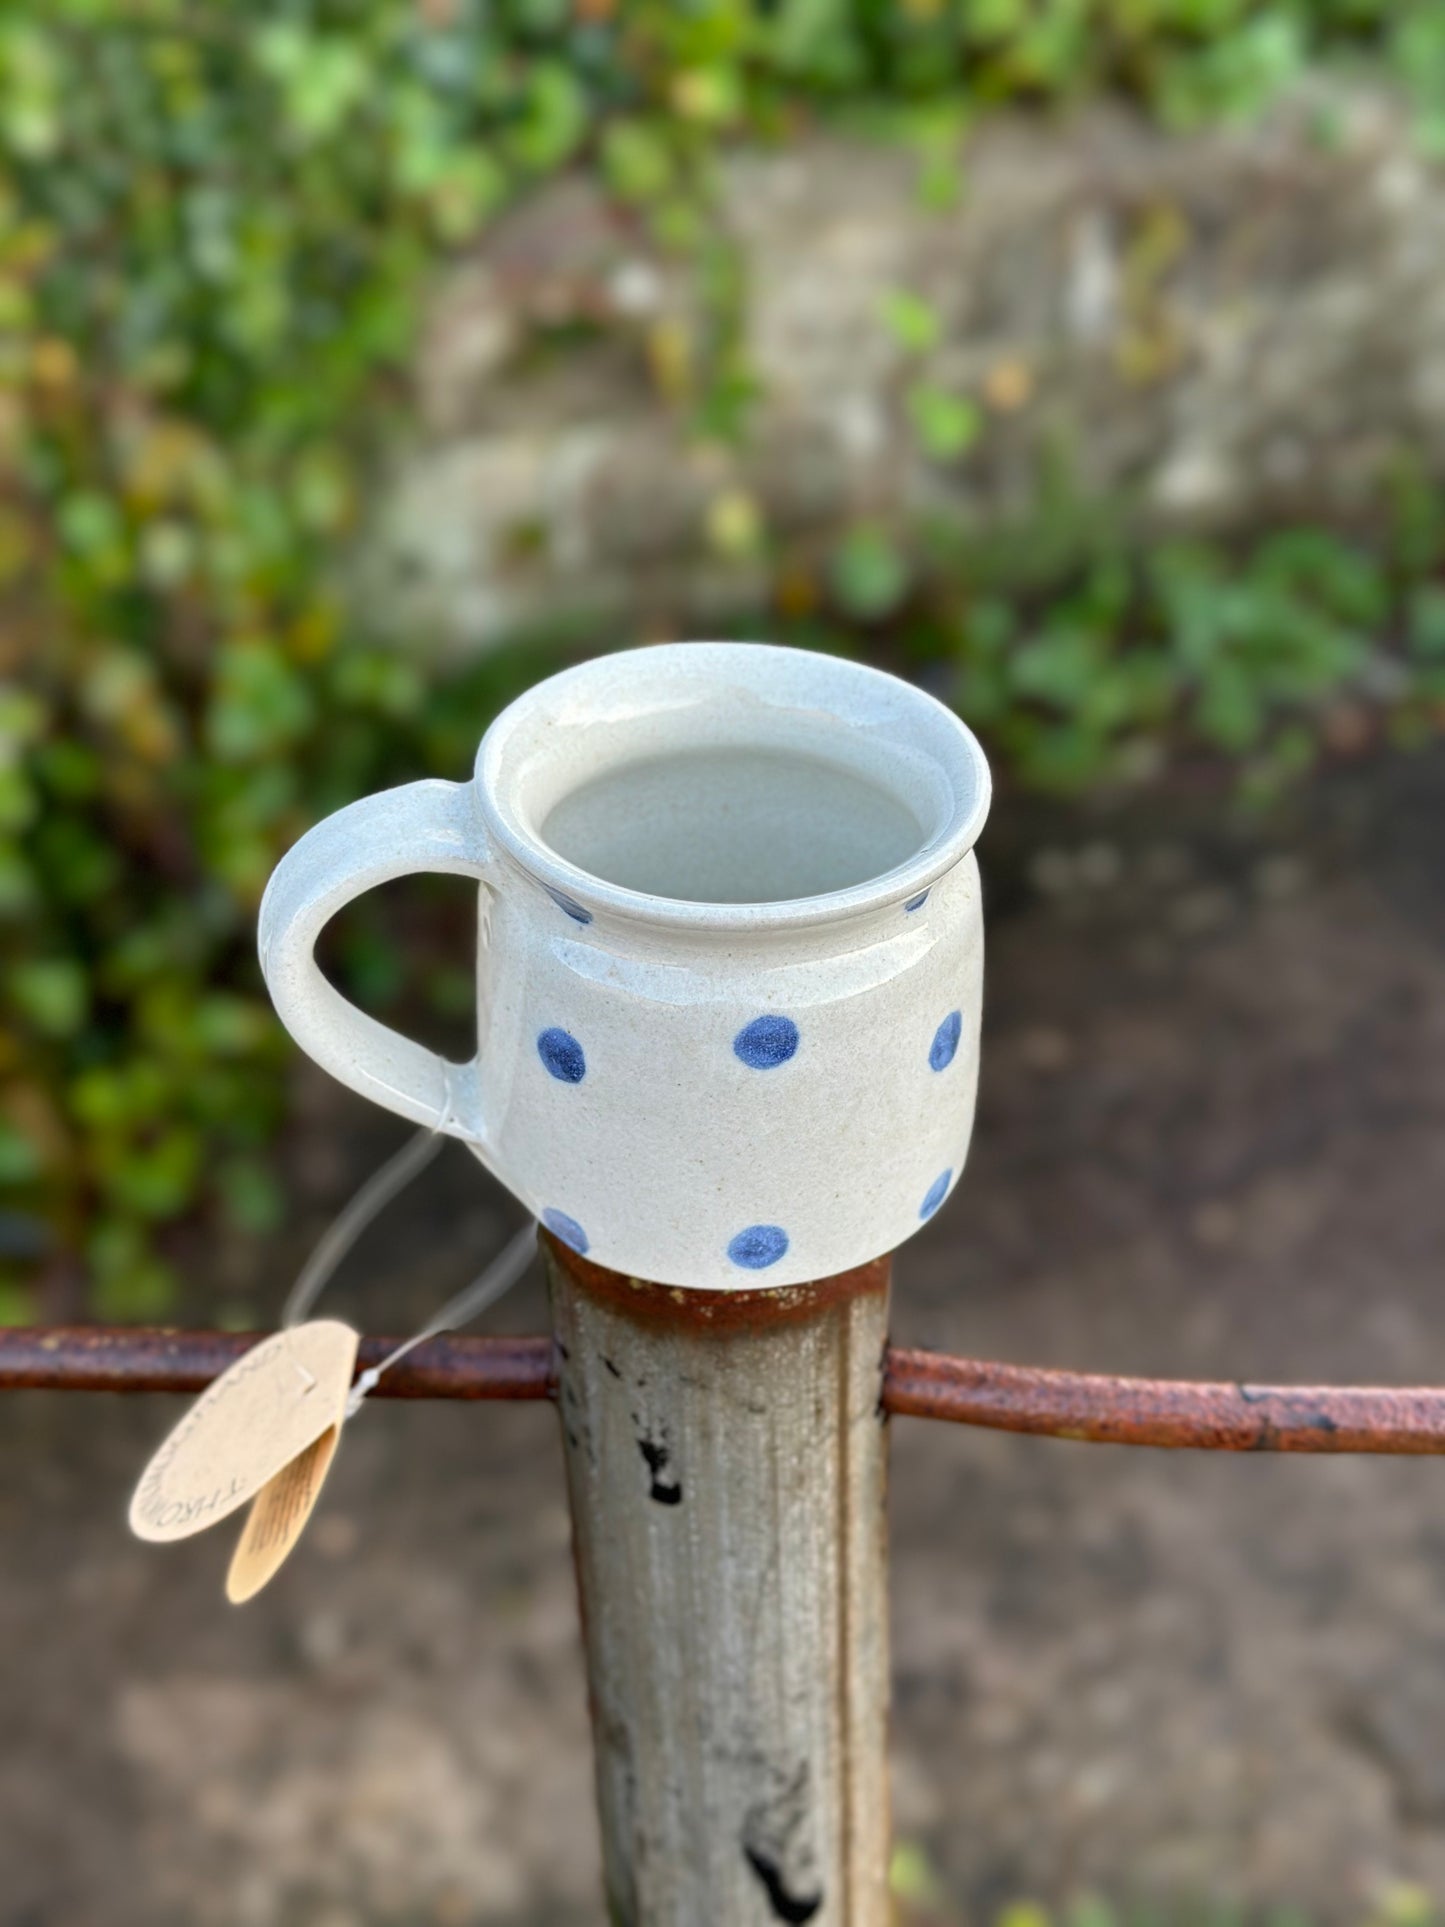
17,1305
380,681
1236,74
711,96
251,1194
1320,568
1405,1905
168,553
155,1180
80,864
70,770
468,189
1418,53
19,805
31,92
19,883
554,118
452,991
869,574
912,1878
1090,1911
636,160
1425,622
913,323
323,77
996,19
130,1283
100,1098
90,523
1230,711
946,425
20,1159
1023,1913
51,993
231,1026
23,716
321,489
373,965
1060,666
259,705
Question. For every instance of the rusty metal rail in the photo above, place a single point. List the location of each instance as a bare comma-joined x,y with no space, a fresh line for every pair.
1175,1413
1172,1413
121,1358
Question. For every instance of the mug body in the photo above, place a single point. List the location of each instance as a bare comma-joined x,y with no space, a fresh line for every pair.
730,961
726,1111
730,958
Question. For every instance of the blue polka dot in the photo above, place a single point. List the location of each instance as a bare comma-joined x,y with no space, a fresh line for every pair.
562,1054
945,1041
766,1042
567,1229
573,910
937,1192
916,903
758,1247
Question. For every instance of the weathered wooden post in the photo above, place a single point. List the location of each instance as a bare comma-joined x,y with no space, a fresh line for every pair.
726,1456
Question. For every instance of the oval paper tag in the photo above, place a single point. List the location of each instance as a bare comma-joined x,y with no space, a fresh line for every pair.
245,1428
278,1518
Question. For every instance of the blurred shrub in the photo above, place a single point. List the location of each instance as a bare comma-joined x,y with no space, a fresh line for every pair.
1302,644
919,1893
215,225
921,1900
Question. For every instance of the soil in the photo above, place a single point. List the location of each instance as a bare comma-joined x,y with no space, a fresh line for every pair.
1211,1142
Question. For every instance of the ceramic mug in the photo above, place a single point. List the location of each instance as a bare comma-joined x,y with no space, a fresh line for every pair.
730,958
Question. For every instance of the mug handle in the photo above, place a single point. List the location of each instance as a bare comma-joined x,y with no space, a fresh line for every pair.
430,825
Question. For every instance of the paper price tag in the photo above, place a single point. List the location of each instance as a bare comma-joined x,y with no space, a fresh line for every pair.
278,1518
245,1429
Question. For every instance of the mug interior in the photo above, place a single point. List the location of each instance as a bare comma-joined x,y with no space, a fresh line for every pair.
737,824
730,774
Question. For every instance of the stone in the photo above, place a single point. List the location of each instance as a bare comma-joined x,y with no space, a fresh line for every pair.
1203,334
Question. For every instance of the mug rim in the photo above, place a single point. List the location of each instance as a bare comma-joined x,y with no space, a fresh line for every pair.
961,761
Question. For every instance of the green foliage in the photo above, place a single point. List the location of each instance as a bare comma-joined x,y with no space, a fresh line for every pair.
213,232
921,1896
215,228
912,1879
947,425
869,573
1249,653
912,321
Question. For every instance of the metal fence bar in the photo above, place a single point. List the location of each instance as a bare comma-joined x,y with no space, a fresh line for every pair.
1170,1413
100,1358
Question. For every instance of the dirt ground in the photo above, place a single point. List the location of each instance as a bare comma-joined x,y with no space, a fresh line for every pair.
1211,1141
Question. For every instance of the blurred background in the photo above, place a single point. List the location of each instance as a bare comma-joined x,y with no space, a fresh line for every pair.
1083,360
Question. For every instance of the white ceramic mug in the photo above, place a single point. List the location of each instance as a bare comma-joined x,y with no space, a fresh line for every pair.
730,958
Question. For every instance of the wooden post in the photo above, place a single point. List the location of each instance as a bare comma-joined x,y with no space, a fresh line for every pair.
726,1456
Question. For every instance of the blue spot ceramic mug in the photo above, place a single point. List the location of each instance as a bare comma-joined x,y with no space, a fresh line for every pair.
730,958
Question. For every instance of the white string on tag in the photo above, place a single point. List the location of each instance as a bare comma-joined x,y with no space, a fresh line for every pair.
343,1231
349,1223
485,1289
261,1432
